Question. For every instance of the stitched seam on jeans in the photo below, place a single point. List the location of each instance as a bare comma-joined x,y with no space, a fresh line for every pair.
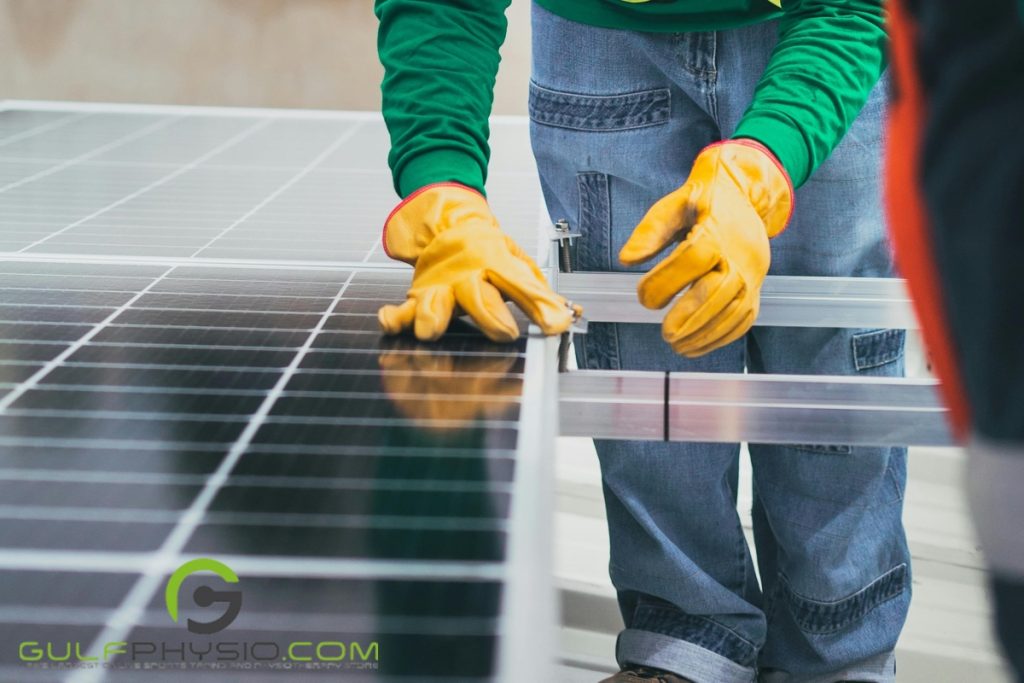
582,128
822,449
599,113
616,359
711,83
683,50
594,223
818,616
771,603
890,474
742,554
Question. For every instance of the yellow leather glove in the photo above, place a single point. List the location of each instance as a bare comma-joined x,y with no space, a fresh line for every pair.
464,263
736,198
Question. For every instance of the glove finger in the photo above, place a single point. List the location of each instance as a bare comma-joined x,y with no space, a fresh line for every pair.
697,255
518,252
708,297
717,328
664,221
741,329
483,303
397,319
532,294
434,307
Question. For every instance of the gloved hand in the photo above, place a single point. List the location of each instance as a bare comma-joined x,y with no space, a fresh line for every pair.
737,196
464,262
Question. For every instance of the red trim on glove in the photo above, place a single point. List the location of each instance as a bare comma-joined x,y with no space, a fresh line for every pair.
754,144
384,232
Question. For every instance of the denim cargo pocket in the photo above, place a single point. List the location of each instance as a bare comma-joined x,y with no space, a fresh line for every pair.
599,112
877,348
823,617
870,350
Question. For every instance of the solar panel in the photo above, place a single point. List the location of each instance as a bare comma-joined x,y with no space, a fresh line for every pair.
188,186
190,368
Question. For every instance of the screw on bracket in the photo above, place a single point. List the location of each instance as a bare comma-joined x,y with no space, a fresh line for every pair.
564,238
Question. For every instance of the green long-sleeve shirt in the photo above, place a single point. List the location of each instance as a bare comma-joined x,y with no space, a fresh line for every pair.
441,59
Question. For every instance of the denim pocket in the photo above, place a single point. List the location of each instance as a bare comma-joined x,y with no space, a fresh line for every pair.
877,348
872,351
599,112
823,617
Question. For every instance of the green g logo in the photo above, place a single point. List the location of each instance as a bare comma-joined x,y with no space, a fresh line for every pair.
204,596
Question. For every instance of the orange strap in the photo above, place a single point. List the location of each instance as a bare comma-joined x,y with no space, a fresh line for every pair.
908,220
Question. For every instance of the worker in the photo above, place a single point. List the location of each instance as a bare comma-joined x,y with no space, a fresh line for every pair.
708,143
955,170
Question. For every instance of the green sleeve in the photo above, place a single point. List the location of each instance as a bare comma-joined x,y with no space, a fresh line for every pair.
829,55
440,61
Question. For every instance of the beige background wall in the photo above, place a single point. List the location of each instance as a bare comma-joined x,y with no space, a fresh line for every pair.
265,53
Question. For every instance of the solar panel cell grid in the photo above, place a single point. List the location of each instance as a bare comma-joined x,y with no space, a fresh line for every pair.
219,187
170,387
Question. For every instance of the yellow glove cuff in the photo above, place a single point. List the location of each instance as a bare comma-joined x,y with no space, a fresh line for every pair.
762,179
428,211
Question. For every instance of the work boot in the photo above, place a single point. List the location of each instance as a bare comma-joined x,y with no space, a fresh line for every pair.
645,674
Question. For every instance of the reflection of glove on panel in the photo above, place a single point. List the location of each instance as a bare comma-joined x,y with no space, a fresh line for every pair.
463,261
434,388
737,196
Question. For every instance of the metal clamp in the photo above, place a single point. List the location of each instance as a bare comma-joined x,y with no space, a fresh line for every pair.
563,236
561,262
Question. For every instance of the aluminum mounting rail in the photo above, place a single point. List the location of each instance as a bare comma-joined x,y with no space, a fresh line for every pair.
721,407
785,301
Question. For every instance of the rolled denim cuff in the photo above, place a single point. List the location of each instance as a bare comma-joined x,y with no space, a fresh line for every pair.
878,669
679,656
